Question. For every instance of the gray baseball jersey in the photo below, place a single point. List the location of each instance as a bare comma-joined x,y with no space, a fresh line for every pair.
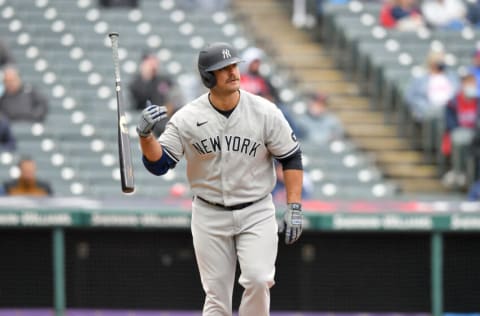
229,160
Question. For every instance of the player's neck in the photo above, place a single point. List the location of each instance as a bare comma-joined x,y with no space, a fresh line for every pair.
224,101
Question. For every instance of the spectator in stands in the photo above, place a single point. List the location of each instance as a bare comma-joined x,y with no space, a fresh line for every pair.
461,116
428,94
253,81
7,140
6,58
473,12
463,112
279,194
21,102
158,88
27,183
148,84
474,192
403,15
321,126
445,14
474,157
302,16
5,55
475,68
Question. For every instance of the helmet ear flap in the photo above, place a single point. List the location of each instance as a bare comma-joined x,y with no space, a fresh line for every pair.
208,79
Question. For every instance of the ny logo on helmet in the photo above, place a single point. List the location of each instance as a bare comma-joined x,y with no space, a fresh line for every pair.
226,53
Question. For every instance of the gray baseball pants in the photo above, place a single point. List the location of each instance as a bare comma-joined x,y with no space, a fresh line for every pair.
222,237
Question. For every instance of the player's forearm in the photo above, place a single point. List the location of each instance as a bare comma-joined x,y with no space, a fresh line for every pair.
151,148
293,185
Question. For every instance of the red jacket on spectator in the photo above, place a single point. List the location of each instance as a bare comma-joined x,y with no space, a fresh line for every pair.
386,18
460,112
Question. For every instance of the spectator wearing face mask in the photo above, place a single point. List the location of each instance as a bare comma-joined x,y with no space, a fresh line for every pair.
462,115
428,94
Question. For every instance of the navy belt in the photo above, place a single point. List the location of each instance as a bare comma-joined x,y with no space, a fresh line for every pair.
231,207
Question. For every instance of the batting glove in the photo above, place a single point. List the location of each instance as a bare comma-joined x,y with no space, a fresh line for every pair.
292,223
150,116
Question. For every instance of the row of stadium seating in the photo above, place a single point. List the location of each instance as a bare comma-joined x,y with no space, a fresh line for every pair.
62,47
382,62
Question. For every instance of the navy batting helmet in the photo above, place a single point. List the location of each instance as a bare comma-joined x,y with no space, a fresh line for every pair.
213,57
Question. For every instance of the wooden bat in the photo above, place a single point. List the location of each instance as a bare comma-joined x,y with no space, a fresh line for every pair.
124,151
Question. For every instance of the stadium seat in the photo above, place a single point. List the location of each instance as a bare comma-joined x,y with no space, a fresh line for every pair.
63,49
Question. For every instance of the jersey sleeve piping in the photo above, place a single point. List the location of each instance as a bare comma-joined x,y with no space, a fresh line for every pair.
289,153
170,155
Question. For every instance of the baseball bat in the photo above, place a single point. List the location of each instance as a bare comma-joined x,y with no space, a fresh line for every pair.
124,151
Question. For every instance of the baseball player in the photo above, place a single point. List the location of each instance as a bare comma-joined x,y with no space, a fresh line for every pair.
229,138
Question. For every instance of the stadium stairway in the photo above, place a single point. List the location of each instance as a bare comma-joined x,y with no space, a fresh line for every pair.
314,70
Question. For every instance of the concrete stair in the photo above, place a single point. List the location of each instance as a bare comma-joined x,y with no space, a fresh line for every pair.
314,70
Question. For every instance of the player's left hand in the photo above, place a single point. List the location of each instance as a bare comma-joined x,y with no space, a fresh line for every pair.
292,225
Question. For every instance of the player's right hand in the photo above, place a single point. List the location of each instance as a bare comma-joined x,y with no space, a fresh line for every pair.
150,116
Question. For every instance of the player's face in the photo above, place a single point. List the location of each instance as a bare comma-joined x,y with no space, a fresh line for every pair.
228,78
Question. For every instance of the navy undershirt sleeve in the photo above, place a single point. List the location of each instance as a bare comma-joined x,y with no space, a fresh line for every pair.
160,166
294,161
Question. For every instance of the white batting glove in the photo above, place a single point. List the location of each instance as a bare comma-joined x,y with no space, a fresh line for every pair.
292,223
150,116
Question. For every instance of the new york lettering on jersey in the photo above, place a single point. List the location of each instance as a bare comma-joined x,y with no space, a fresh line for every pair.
240,144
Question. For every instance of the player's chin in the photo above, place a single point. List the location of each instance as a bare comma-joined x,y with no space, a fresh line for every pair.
234,84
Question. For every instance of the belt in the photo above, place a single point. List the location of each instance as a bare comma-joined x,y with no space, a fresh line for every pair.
231,207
